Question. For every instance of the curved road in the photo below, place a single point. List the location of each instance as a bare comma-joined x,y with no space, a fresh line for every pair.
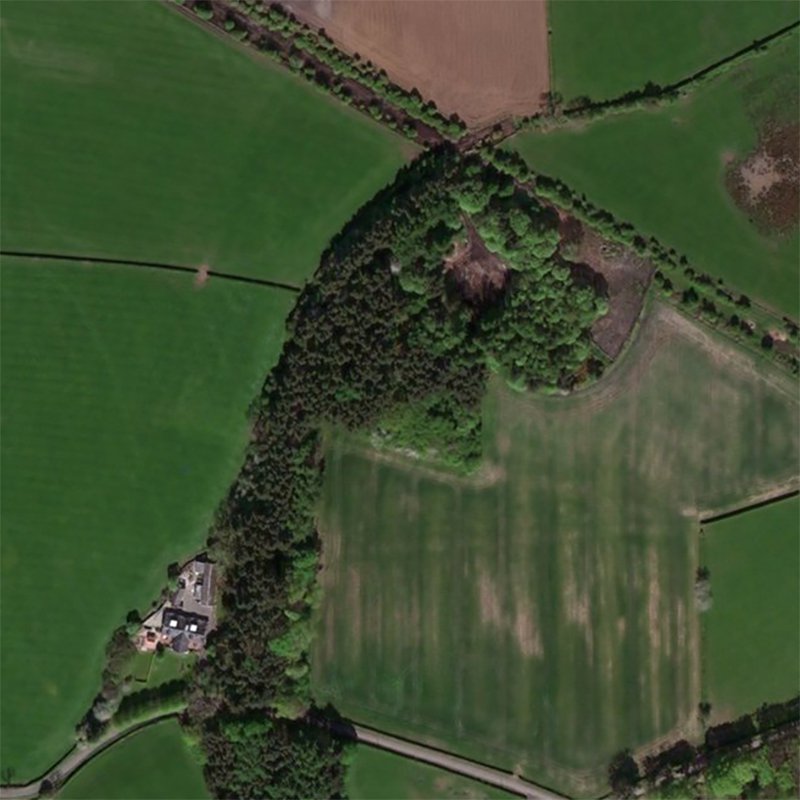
76,758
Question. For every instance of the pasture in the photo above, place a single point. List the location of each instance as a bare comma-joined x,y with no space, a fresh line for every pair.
130,132
378,775
604,49
152,764
664,170
751,633
539,614
125,394
483,60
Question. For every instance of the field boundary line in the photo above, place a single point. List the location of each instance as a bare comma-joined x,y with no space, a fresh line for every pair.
158,265
762,500
629,101
753,46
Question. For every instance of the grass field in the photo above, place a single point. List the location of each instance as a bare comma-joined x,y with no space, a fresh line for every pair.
603,49
149,670
131,132
124,419
751,634
664,171
150,765
540,615
378,775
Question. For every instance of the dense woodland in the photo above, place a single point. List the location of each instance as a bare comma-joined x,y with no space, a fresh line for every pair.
378,332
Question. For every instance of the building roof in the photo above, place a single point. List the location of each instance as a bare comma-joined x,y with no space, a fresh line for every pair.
176,620
180,644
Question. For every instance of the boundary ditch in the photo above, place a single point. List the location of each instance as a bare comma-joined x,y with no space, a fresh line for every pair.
122,262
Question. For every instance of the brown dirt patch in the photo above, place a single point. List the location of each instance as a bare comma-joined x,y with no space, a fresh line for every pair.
201,278
483,59
766,184
478,274
627,277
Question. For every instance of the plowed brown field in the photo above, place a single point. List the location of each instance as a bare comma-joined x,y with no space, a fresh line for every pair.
483,59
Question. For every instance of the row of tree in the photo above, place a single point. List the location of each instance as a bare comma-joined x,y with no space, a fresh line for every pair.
742,757
706,297
311,52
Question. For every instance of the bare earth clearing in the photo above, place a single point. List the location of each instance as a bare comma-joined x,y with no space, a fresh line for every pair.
484,60
477,272
766,185
626,276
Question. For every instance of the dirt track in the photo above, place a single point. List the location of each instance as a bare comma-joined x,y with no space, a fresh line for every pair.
484,60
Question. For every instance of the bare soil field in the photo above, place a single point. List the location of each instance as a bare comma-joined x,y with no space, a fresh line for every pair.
484,60
626,276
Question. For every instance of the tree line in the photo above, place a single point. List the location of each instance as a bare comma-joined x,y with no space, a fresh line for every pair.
755,755
697,293
277,33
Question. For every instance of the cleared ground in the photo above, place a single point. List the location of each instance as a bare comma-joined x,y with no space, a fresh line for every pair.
604,48
378,775
124,421
150,765
484,60
539,616
751,634
665,171
130,132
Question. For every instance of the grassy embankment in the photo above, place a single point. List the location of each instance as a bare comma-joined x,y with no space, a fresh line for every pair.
663,170
604,49
752,631
149,765
541,616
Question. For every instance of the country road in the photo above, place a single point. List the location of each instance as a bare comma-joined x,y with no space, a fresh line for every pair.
75,759
462,766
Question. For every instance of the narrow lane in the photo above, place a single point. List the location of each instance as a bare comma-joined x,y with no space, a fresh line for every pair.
76,758
461,766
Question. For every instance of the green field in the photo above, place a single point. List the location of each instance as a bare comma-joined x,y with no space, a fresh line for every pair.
751,634
130,132
540,615
153,764
377,775
125,394
664,171
604,48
